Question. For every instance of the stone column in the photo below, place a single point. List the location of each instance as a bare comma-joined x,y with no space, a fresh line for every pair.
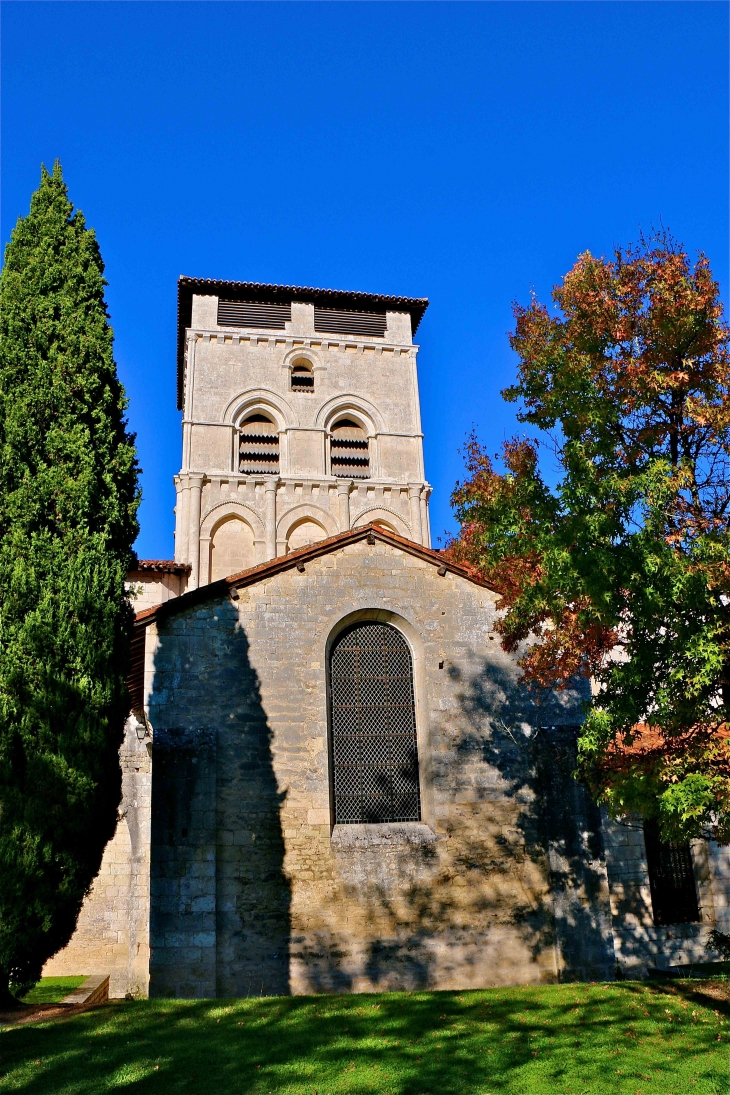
414,498
344,486
196,486
270,491
204,564
182,506
425,523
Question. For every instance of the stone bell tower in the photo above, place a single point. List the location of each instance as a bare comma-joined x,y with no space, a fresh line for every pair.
301,419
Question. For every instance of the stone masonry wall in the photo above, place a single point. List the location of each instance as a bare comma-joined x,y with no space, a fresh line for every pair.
112,934
254,892
640,943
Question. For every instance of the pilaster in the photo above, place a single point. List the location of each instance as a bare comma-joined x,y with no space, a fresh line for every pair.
344,486
414,499
196,485
270,519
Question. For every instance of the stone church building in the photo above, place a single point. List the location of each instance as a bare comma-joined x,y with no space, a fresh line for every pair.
333,779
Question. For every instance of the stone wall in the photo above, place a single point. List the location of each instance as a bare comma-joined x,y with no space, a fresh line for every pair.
231,373
254,892
247,888
154,587
112,934
639,943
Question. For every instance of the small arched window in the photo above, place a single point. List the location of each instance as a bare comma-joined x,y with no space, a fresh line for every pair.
374,751
259,446
302,376
349,450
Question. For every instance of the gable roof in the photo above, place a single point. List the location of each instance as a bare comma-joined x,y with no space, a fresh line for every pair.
282,294
372,533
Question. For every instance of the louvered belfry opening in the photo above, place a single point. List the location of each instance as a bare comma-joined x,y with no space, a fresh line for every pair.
671,879
302,378
349,450
259,446
345,322
243,313
373,727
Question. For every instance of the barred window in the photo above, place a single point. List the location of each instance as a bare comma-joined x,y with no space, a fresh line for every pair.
671,879
373,727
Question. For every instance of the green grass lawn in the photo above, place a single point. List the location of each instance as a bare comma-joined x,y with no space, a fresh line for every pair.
629,1037
52,989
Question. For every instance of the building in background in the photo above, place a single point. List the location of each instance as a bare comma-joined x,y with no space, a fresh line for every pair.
334,778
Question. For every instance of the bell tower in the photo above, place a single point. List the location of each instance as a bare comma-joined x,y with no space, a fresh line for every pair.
301,419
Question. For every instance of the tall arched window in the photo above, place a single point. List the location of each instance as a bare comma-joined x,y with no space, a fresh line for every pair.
373,726
259,446
349,452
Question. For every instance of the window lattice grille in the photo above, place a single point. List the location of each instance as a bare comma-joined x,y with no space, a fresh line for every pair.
259,446
349,451
374,749
671,879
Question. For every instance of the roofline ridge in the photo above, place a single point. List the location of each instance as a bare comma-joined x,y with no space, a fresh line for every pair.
311,551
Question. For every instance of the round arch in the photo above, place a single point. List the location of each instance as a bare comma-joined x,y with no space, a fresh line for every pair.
238,547
351,406
223,510
337,624
260,401
297,516
383,515
302,353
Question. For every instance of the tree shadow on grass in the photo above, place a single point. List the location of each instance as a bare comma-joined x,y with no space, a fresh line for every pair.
601,1038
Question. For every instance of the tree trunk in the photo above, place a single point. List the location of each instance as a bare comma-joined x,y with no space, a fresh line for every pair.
7,1000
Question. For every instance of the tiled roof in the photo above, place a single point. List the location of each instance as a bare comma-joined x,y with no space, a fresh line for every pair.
164,566
281,294
372,533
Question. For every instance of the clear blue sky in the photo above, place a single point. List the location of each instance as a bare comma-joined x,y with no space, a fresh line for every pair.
463,152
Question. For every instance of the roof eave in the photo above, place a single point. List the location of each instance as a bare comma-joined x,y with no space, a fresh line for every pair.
249,577
187,287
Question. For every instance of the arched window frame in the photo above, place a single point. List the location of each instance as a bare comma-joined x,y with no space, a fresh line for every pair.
303,368
264,414
402,629
344,416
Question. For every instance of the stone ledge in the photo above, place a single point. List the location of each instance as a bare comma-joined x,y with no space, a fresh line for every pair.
392,834
94,990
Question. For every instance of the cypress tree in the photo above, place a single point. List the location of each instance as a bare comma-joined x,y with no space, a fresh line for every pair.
68,503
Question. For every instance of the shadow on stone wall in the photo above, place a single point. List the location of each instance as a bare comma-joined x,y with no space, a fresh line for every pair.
531,743
512,888
219,898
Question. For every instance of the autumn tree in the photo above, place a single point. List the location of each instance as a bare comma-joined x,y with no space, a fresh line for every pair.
68,502
620,571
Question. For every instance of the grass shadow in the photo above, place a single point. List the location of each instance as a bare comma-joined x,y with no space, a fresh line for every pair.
563,1038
